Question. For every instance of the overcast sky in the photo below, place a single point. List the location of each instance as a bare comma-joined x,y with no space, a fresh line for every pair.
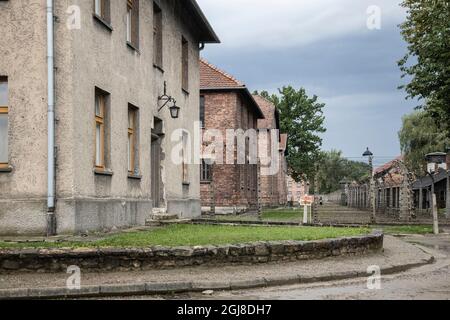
326,47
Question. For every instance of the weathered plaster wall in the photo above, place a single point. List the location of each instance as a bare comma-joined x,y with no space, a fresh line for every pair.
22,60
90,57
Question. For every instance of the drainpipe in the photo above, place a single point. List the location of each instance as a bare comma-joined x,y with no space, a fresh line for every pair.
51,219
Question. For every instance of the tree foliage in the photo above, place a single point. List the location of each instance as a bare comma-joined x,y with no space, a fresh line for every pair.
419,136
301,117
334,168
427,63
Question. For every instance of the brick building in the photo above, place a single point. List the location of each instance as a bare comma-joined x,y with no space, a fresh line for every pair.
273,182
295,190
226,103
283,173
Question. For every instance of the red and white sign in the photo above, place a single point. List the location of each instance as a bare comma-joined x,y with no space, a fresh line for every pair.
306,200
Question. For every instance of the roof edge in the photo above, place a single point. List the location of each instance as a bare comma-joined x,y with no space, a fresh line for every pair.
246,92
213,38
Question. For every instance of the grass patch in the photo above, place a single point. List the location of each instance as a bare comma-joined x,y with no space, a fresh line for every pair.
268,215
421,229
192,235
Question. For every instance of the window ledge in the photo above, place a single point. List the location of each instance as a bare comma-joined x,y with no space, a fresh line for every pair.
134,176
186,184
104,172
6,169
132,47
158,68
103,22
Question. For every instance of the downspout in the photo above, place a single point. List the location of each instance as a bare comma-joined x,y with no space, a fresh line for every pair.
51,219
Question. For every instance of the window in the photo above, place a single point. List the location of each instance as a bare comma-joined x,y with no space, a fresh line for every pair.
102,10
100,131
4,109
157,36
132,20
185,158
132,140
206,171
185,64
202,111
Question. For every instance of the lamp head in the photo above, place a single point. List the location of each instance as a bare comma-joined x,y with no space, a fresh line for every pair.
174,111
367,153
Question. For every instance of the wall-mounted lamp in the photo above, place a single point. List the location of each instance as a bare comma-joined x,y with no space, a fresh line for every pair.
174,109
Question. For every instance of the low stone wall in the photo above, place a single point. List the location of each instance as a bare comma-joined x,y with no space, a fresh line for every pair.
115,259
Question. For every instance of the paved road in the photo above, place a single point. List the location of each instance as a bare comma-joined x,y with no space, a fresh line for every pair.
428,282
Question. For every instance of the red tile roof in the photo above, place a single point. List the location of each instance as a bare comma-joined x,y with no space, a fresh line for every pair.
387,166
212,77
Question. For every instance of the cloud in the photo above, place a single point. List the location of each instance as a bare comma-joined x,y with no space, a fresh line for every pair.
290,23
325,47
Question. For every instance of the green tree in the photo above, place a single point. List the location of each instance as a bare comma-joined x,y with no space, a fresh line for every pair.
427,63
334,168
419,136
301,117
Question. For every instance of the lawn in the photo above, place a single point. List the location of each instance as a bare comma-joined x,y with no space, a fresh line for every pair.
420,229
192,235
268,215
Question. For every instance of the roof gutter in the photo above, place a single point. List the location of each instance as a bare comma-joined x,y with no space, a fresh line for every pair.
213,38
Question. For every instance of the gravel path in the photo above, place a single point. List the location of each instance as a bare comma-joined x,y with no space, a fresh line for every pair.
396,253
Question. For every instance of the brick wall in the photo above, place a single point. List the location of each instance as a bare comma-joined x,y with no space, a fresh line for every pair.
231,185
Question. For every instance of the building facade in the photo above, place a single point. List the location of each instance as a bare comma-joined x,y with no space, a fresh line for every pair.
273,169
226,104
112,60
295,191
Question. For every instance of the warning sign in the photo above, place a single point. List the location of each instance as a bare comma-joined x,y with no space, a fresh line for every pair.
306,200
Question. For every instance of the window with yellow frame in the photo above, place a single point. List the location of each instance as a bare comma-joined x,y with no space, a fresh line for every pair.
132,150
100,112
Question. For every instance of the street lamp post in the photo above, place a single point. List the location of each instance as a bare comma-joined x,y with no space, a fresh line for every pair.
434,160
369,154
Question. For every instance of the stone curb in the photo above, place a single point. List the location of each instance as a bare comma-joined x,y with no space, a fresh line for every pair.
158,257
185,287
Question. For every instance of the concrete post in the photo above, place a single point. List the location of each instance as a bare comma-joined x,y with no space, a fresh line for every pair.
391,199
213,192
435,215
259,193
420,200
447,195
315,208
